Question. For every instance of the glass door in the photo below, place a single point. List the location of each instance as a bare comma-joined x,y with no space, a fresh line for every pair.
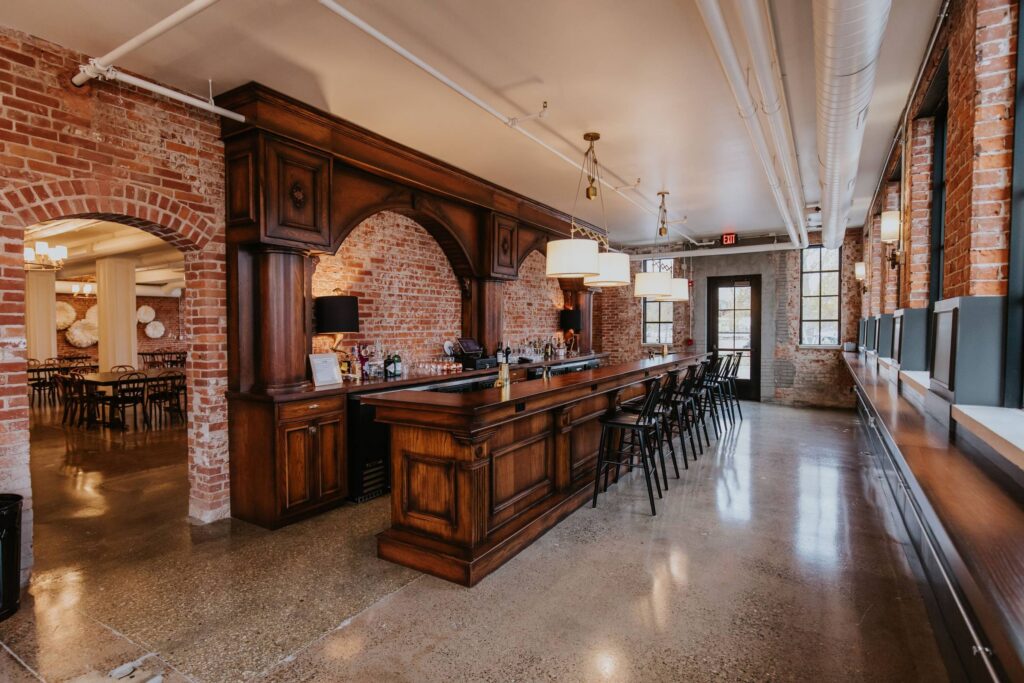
734,326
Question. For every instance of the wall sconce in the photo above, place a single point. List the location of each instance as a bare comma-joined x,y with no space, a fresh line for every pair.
891,235
860,272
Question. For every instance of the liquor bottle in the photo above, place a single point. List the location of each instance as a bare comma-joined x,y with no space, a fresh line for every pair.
388,366
508,353
398,365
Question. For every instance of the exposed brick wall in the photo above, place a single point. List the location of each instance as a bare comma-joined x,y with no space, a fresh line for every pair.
618,318
918,225
815,377
789,374
982,54
409,297
111,151
875,266
168,311
531,304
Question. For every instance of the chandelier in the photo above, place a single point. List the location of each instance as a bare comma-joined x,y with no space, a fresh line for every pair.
582,257
45,257
657,284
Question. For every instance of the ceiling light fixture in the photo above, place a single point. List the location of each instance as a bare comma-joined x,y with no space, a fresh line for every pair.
44,257
571,258
657,284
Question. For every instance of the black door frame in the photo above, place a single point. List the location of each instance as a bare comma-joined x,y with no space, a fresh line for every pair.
749,390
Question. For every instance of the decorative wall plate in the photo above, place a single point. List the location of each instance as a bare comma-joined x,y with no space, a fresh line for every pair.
82,334
66,314
155,329
93,314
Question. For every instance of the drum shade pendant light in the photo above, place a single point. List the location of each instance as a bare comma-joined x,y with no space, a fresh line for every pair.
579,256
658,284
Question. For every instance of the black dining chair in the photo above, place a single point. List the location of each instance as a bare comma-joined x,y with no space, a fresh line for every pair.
129,392
164,397
641,428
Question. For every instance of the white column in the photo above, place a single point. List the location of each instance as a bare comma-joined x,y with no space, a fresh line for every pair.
115,299
41,314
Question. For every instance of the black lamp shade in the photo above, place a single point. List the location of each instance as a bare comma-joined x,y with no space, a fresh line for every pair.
336,314
571,319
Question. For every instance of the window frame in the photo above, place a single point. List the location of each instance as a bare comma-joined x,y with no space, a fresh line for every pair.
937,229
646,266
839,300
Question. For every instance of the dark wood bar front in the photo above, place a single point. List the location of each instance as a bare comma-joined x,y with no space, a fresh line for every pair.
479,476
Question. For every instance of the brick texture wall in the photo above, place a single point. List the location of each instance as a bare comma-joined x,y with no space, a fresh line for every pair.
168,311
918,224
982,54
531,304
409,296
875,266
111,151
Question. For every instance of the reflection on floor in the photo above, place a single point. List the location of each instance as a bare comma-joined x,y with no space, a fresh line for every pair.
770,559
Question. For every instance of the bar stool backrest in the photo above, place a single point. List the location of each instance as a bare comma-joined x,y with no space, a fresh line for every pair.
737,359
650,402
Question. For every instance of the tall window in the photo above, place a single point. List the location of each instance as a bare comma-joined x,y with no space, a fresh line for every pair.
938,217
657,314
819,297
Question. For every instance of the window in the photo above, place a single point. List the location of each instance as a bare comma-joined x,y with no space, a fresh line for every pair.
657,314
938,217
819,297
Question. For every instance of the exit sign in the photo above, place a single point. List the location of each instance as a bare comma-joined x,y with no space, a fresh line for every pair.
728,238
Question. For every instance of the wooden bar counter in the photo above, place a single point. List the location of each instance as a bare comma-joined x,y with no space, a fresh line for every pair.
477,477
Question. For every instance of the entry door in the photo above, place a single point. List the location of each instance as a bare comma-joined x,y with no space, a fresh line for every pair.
734,325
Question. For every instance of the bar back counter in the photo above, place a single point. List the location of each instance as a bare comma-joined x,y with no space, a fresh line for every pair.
478,476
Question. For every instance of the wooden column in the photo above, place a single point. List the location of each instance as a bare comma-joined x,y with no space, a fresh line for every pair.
585,303
115,299
281,318
41,314
491,316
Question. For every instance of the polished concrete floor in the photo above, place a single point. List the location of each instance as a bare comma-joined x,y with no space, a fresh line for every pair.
772,558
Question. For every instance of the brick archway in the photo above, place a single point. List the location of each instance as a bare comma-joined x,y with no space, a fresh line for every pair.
204,325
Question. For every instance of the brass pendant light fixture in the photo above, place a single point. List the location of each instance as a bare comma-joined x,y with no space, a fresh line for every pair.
659,283
580,257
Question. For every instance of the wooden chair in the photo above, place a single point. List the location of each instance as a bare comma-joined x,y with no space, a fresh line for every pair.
129,392
123,368
165,397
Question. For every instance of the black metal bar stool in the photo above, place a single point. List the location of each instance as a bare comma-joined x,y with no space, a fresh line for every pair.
640,427
664,413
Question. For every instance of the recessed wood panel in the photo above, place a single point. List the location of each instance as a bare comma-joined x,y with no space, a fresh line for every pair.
504,246
295,465
331,452
584,441
430,488
518,471
298,183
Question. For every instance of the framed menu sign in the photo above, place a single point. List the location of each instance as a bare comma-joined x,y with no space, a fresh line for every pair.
325,369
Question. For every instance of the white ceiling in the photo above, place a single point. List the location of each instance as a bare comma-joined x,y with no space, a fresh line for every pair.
157,262
641,73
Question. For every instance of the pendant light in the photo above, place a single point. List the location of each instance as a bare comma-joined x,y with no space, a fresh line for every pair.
657,284
579,257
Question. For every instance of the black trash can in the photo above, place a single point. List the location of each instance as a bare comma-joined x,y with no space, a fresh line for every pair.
10,554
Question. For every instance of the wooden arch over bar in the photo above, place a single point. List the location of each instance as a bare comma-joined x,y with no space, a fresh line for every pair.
299,180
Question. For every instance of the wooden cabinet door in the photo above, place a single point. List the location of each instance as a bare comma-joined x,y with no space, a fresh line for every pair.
297,187
296,464
331,461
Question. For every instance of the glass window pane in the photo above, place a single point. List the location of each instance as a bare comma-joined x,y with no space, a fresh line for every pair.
812,284
830,332
666,312
812,259
830,283
743,322
829,259
725,298
651,314
830,308
743,297
744,372
742,341
811,308
725,341
810,333
651,333
666,334
725,322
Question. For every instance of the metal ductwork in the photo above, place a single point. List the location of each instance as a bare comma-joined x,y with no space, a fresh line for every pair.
847,41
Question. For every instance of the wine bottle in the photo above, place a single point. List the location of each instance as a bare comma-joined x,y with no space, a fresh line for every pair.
398,365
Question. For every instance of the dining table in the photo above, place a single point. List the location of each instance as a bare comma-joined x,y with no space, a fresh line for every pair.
96,382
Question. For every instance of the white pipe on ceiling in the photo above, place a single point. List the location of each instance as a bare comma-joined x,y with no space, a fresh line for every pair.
847,41
121,76
510,121
734,74
157,29
764,55
719,251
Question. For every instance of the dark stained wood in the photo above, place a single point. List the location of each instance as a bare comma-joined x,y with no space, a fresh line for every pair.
281,320
976,521
503,246
478,476
109,379
490,315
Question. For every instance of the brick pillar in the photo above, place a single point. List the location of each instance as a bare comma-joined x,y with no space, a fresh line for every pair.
890,277
917,245
979,150
873,251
